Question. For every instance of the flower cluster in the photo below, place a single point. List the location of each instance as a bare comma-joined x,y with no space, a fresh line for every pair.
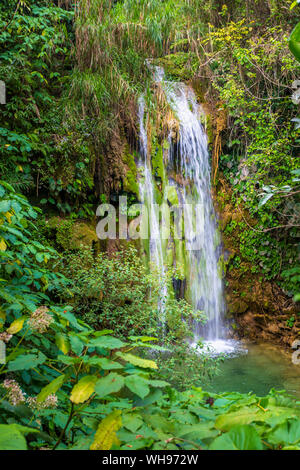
40,319
14,392
5,337
49,402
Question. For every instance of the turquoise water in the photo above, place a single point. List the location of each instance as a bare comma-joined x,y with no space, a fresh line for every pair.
257,368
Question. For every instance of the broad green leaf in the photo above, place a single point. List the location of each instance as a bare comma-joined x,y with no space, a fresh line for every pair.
132,421
286,433
11,438
51,388
294,42
102,333
103,363
83,389
77,344
106,342
137,385
112,383
243,437
197,431
243,416
27,361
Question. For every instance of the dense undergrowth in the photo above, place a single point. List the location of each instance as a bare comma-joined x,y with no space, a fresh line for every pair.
66,385
84,368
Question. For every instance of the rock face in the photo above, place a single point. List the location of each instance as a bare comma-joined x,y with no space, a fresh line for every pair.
257,309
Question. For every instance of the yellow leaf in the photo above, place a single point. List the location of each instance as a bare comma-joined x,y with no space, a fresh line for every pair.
138,361
106,436
16,326
8,215
2,314
20,168
62,343
84,389
3,245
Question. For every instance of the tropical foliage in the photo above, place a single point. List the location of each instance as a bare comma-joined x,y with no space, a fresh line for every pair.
87,364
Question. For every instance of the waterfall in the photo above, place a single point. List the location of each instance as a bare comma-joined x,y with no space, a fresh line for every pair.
146,189
203,251
188,157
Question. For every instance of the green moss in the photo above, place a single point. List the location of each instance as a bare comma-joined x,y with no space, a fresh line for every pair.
70,235
209,127
157,158
180,258
130,182
181,65
171,195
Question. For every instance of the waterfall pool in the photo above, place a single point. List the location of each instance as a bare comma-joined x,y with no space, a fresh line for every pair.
254,368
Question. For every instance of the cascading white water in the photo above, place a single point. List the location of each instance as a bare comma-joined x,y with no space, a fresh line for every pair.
192,159
146,188
189,158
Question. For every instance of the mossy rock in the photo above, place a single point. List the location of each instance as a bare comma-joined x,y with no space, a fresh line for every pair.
71,234
157,158
83,234
130,181
236,307
171,195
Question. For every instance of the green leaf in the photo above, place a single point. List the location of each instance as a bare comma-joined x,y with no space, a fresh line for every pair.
11,438
294,42
103,362
112,383
138,385
83,389
52,387
27,361
5,205
132,421
77,344
286,433
197,431
106,342
243,437
243,416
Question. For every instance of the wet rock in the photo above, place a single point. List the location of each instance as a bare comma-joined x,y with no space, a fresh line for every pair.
237,307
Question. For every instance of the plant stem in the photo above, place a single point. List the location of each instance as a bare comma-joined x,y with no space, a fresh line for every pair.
65,428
